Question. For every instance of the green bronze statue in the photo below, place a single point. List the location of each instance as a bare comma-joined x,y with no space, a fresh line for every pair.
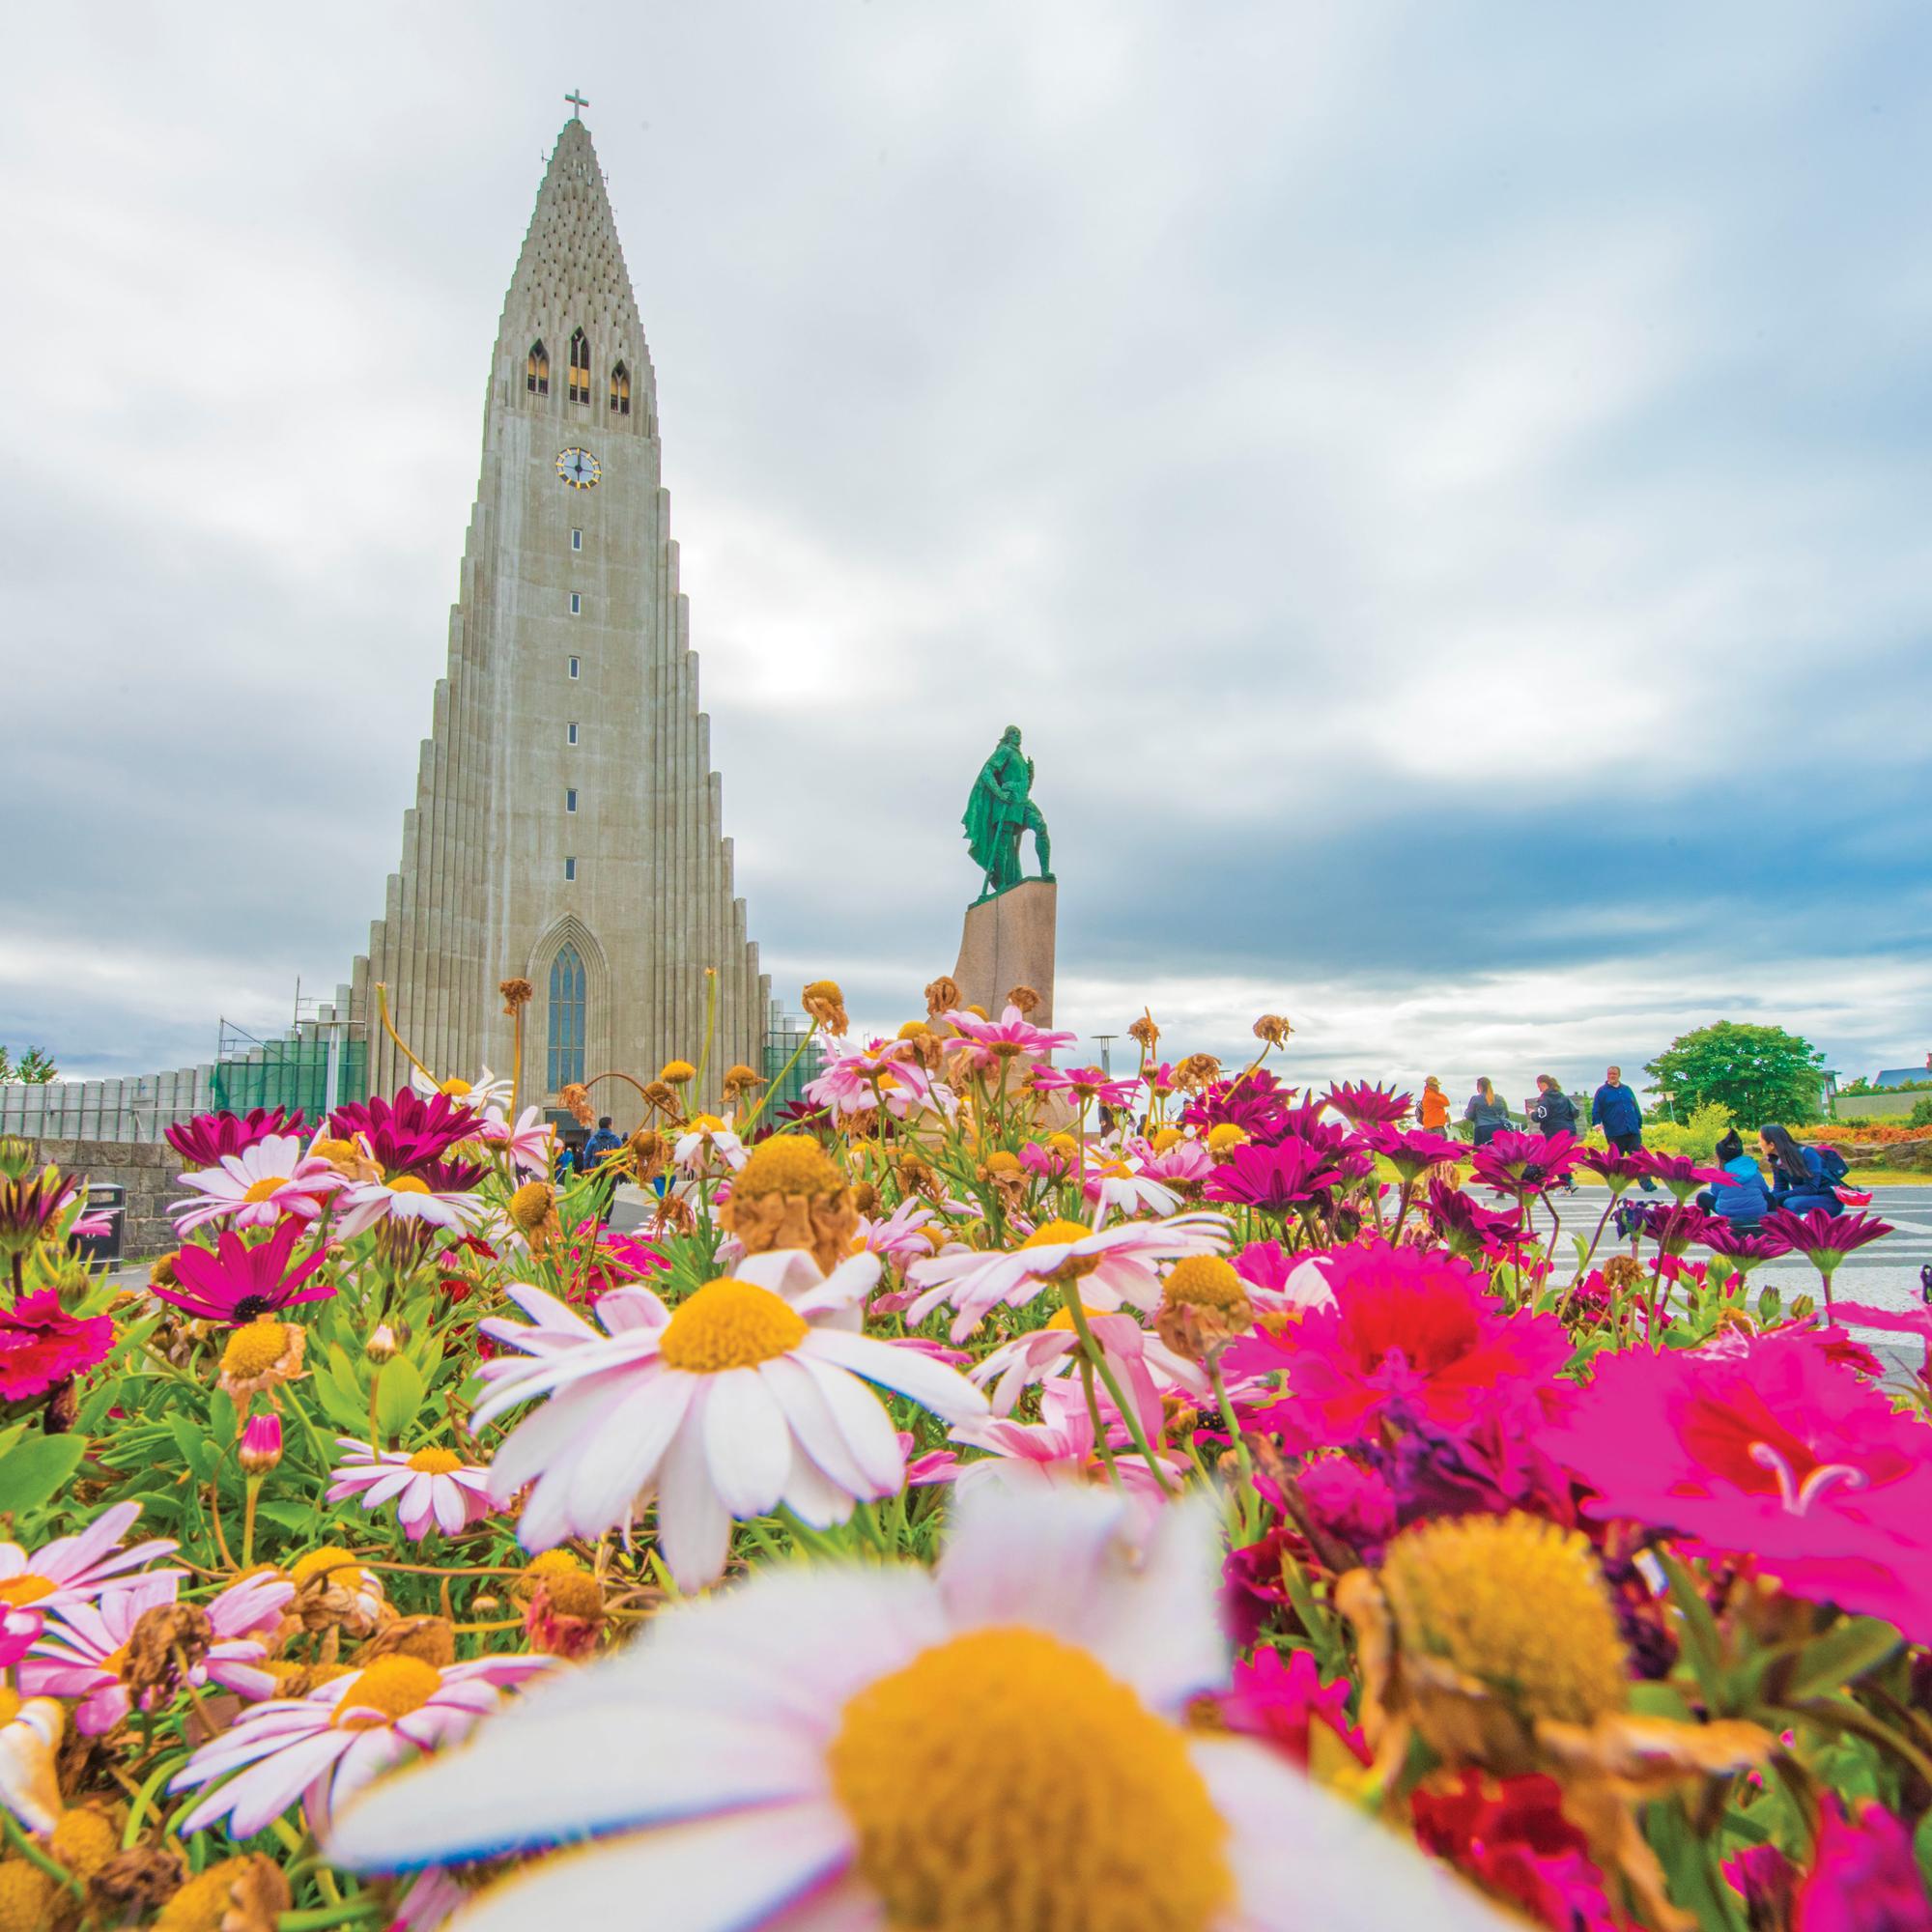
999,809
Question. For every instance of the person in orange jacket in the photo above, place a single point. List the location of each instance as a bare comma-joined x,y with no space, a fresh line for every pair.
1434,1111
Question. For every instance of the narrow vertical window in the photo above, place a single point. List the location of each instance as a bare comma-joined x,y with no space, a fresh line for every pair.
564,1060
580,366
536,370
569,799
570,868
573,667
570,732
620,390
576,603
577,539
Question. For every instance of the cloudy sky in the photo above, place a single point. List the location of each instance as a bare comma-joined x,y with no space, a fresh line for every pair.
1444,490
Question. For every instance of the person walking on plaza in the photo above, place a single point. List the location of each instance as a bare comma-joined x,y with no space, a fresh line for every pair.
603,1142
1487,1112
1432,1111
1552,1113
1615,1110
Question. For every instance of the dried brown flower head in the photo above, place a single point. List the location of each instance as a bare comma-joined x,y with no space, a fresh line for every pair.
132,1882
575,1098
1025,999
429,1639
165,1641
942,996
826,1005
661,1097
740,1080
650,1151
1621,1273
245,1894
790,1193
1202,1303
1196,1071
1274,1027
1146,1032
517,995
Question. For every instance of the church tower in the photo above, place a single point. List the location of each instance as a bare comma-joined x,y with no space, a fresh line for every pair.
568,826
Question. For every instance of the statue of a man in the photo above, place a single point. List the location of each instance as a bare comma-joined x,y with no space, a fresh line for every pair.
1001,808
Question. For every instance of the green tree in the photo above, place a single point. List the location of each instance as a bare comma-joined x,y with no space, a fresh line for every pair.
35,1067
1759,1072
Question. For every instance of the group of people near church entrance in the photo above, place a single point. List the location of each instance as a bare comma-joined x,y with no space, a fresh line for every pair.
1794,1176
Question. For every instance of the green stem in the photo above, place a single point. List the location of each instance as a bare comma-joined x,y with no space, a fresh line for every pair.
34,1856
1076,1311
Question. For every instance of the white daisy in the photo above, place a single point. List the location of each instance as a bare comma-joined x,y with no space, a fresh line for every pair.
406,1198
1112,1265
993,1744
485,1093
745,1396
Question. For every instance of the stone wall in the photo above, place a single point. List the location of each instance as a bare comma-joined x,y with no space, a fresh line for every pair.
1895,1103
146,1169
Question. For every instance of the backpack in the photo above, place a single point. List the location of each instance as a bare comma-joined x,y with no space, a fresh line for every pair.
1831,1165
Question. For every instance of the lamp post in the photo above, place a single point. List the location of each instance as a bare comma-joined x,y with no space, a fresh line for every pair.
1107,1040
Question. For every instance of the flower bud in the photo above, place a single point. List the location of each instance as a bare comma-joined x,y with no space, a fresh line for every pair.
380,1347
261,1443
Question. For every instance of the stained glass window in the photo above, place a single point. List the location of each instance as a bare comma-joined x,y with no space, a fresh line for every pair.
566,1018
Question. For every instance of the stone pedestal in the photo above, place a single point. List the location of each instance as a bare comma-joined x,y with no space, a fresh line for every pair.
1007,942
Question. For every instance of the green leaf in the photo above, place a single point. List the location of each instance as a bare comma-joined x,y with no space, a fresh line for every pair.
196,1451
1845,1652
1703,1644
33,1470
398,1396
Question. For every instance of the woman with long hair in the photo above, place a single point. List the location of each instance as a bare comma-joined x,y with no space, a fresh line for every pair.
1485,1112
1798,1178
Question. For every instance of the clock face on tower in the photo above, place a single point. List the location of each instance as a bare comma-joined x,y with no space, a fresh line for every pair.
579,469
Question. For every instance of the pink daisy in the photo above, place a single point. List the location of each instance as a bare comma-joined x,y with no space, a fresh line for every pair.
847,1082
1060,1449
325,1748
990,1043
738,1400
85,1648
406,1198
257,1186
1086,1084
433,1488
900,1236
1112,1265
531,1143
73,1569
1141,1362
1123,1186
768,1757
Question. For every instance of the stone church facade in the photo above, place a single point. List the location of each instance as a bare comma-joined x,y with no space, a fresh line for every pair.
568,826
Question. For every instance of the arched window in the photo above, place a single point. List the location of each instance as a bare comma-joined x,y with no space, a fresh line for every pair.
565,1062
536,371
620,390
580,366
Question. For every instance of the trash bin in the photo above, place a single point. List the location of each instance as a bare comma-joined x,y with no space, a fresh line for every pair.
103,1251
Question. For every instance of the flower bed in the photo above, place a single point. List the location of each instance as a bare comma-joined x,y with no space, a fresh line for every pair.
943,1514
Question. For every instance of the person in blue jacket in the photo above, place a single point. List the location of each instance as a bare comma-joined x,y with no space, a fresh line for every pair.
1743,1199
1798,1178
1615,1110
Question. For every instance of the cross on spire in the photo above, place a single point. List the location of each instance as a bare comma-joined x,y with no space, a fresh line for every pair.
578,104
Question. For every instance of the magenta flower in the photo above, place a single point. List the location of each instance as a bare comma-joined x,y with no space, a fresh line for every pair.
1413,1328
202,1141
41,1346
1523,1164
236,1283
1824,1238
1085,1085
1412,1153
1676,1228
408,1133
1257,1103
1745,1251
1863,1877
1275,1179
1369,1106
1466,1228
1766,1449
1618,1171
1679,1172
1280,1699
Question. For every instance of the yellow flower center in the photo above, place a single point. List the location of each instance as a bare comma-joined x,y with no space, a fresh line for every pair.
553,1563
1515,1602
999,1161
335,1150
10,1704
267,1188
1062,1143
329,1560
788,1164
257,1348
394,1684
26,1896
435,1461
1062,1316
730,1324
1205,1281
17,1592
530,1205
704,1123
1165,1138
576,1593
675,1072
83,1842
1049,1233
1225,1136
457,1087
407,1184
1003,1782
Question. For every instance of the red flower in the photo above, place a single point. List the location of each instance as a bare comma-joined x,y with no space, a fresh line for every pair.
202,1141
1411,1328
1768,1449
41,1346
1513,1841
1369,1106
